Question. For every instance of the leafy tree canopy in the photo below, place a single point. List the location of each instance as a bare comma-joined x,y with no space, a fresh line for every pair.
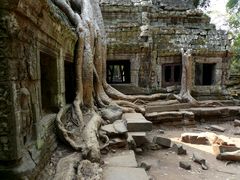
233,8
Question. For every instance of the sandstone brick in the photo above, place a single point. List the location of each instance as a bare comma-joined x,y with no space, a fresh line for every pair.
162,141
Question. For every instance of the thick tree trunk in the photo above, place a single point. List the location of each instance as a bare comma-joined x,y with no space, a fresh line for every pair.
91,86
186,81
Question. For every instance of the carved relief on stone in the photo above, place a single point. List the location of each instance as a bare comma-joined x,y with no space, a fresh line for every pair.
26,115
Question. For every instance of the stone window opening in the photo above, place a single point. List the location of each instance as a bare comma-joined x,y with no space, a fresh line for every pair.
49,83
118,71
171,74
70,81
205,74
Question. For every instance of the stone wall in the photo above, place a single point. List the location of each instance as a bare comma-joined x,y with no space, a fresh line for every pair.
28,29
152,33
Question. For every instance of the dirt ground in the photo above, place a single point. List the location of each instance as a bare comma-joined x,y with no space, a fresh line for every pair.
165,163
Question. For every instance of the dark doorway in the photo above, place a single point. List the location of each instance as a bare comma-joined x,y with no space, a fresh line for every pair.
118,71
171,74
49,81
70,81
205,74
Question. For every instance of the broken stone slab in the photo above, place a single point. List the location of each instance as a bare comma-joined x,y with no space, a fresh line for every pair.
136,122
216,128
179,149
162,141
204,138
236,122
116,128
184,165
218,149
229,156
224,140
122,173
139,138
123,159
120,126
200,161
111,113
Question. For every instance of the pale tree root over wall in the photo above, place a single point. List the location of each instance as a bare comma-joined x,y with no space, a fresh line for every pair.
78,124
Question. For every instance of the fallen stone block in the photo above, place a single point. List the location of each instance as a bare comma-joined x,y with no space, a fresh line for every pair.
179,149
200,161
136,122
184,165
162,141
204,138
229,156
139,138
224,140
111,113
120,126
216,128
124,159
236,122
115,129
122,173
218,149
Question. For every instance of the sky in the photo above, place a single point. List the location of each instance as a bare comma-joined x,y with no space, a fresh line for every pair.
218,14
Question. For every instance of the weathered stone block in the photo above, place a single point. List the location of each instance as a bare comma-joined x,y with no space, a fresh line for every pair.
120,173
124,159
139,137
136,122
184,165
218,149
162,141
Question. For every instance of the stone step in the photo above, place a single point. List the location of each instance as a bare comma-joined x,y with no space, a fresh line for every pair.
172,118
139,138
136,122
167,107
123,159
124,173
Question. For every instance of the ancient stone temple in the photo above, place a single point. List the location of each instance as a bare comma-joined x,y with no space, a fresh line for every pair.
37,75
36,52
144,43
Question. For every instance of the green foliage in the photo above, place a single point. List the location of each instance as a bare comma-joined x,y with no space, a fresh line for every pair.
233,7
232,4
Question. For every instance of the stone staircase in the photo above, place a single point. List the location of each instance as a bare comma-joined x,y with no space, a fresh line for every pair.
137,127
182,114
123,166
175,114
